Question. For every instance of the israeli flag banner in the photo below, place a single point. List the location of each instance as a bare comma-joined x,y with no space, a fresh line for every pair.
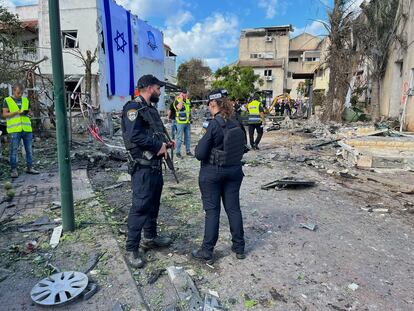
119,49
150,42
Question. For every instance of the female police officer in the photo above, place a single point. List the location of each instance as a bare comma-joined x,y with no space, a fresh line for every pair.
220,151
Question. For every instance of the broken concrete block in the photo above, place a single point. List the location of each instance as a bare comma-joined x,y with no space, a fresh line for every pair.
124,177
55,238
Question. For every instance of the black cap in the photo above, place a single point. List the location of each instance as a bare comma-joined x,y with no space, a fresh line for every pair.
148,80
217,94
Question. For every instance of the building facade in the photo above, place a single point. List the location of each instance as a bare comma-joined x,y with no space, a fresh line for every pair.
397,87
282,63
82,30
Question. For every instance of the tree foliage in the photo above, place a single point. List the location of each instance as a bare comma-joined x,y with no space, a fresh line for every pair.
379,30
10,29
341,58
240,82
192,76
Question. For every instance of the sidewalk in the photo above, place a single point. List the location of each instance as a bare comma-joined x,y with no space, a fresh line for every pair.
26,257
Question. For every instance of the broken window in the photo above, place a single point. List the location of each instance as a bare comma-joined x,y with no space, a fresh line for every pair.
70,39
268,73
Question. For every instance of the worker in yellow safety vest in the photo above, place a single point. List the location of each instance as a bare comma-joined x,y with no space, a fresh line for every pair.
256,122
182,107
16,111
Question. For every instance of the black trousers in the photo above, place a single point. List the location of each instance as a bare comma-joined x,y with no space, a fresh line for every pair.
259,129
147,186
221,184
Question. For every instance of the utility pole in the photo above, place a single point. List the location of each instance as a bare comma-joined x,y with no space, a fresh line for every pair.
65,173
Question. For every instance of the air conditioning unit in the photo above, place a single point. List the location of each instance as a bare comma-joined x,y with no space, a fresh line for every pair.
269,78
410,92
260,55
268,39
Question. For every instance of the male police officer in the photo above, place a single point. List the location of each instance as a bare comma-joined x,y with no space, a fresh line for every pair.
142,130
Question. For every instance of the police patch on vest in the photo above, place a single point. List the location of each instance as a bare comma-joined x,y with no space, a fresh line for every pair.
132,114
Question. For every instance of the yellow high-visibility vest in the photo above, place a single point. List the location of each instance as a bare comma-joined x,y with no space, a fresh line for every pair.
18,123
183,116
254,112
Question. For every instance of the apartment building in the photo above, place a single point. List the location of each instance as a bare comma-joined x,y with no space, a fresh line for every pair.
280,61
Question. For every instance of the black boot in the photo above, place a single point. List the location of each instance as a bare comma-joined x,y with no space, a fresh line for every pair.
135,259
203,255
239,254
158,241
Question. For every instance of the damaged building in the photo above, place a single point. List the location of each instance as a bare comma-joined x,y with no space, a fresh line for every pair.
82,33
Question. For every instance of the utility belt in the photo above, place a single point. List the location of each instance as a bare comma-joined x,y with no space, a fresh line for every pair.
133,164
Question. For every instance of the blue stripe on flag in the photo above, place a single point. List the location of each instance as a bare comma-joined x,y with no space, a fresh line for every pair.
110,48
131,55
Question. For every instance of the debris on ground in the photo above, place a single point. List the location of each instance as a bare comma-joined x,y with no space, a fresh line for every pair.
118,307
186,290
54,239
124,177
90,290
55,205
212,303
154,275
353,286
288,182
322,144
309,226
92,262
59,288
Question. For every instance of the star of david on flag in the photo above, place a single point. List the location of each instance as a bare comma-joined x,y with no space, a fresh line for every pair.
120,41
119,54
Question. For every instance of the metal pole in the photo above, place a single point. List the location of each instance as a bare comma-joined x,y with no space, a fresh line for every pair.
66,192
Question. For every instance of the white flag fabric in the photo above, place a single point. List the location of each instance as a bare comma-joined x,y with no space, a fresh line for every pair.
150,43
119,49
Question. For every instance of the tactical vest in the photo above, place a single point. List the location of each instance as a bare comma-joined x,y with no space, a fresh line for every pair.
254,112
183,116
18,123
234,142
155,129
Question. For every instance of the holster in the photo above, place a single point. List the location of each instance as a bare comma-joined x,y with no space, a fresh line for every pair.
136,163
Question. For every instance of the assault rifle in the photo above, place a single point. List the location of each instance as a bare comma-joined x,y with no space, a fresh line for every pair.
169,160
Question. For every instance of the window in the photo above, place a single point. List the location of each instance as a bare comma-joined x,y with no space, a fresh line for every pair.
294,59
29,46
312,59
254,55
268,55
289,74
268,73
70,39
411,85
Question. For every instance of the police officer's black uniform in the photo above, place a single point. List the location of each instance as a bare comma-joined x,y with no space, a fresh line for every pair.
219,183
141,125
